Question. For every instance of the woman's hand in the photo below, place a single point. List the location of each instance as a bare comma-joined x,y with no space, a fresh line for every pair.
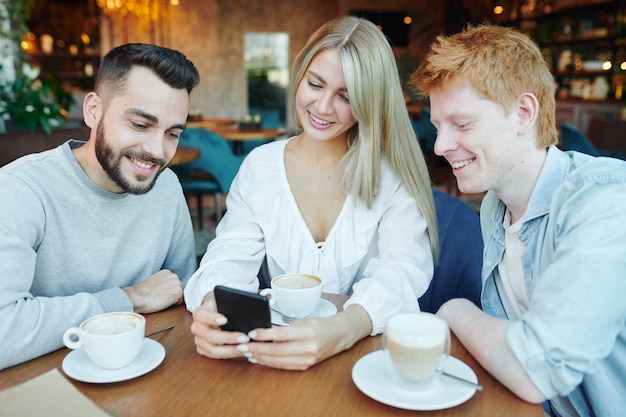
307,341
298,346
210,340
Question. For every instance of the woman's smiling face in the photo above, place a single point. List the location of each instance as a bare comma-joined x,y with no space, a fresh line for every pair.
322,100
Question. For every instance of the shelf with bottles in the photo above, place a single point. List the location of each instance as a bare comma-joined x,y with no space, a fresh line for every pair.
75,68
72,72
599,23
586,73
598,88
64,41
589,22
584,43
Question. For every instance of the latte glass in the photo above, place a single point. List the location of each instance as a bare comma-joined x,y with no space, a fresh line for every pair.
417,346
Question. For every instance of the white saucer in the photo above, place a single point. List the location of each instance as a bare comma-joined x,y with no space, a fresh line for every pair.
324,308
78,366
372,376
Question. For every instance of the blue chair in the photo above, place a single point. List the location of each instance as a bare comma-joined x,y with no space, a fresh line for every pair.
426,132
457,275
212,173
574,140
438,167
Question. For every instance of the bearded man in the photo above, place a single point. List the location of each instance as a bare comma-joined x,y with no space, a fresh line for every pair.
99,226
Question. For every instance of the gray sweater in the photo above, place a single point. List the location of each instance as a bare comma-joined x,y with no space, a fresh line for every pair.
67,247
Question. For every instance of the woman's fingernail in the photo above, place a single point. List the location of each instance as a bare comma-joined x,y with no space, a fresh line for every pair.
252,360
243,339
247,355
242,348
252,334
221,320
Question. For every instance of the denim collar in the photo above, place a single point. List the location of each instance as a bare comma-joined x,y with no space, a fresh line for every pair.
555,168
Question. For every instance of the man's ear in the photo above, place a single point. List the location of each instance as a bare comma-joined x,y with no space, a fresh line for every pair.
92,106
527,112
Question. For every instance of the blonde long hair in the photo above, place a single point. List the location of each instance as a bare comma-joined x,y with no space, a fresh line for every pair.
383,126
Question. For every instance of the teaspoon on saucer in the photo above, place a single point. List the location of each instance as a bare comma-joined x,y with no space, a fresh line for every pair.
171,326
286,319
474,385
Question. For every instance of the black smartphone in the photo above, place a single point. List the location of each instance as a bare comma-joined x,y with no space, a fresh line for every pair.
244,310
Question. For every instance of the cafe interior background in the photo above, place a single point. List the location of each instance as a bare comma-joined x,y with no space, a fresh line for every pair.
244,48
236,44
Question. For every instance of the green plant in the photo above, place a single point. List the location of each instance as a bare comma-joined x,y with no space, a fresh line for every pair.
27,101
13,16
32,103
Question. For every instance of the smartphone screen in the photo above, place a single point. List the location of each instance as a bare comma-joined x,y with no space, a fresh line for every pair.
244,310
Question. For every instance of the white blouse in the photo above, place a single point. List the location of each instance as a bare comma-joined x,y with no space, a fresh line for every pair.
380,257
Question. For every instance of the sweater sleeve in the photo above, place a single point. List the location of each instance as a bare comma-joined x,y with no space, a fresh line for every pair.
181,254
68,247
33,325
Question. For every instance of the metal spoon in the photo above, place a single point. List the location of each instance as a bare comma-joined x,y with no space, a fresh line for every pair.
474,385
286,319
171,326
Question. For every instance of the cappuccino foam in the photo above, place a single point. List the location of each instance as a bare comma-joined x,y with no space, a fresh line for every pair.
297,282
111,325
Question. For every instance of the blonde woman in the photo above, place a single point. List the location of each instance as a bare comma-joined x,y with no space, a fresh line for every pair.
349,200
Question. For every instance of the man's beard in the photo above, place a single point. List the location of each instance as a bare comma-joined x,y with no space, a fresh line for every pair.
112,164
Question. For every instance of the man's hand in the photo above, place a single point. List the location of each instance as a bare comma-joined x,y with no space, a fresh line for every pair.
156,293
484,337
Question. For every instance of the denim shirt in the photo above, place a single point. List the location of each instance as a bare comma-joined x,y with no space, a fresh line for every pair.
572,340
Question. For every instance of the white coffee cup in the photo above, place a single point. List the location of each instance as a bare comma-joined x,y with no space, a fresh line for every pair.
417,345
294,295
110,340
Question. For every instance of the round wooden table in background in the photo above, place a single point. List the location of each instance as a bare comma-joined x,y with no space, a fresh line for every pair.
185,154
211,122
238,136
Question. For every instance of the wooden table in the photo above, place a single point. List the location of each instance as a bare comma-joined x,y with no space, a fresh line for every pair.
185,154
238,136
211,122
187,384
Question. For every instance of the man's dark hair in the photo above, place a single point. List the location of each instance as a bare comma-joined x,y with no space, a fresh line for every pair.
169,65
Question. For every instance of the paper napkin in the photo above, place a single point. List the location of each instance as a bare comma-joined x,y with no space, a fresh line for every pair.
47,395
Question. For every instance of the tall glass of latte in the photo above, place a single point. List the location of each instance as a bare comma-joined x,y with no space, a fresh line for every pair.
417,345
